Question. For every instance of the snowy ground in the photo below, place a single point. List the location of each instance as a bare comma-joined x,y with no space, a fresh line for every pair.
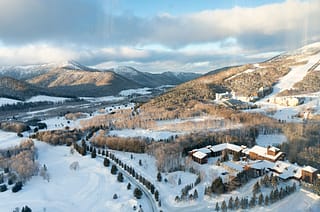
301,200
8,139
156,135
42,98
91,188
271,139
103,99
141,91
296,74
6,101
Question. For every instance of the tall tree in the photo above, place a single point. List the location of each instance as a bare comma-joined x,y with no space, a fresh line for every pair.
159,177
137,193
224,206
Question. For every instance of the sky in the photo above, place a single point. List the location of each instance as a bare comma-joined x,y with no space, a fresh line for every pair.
154,36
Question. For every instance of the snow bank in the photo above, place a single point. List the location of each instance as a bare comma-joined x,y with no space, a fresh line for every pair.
6,101
271,139
90,188
41,98
141,91
103,99
156,135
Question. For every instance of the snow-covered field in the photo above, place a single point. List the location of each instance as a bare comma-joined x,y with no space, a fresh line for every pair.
91,188
103,99
141,91
8,139
7,101
41,98
156,135
271,139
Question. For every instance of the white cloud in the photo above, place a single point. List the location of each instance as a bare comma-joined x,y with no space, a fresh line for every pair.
51,31
34,54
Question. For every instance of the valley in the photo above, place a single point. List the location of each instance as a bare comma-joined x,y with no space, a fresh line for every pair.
195,146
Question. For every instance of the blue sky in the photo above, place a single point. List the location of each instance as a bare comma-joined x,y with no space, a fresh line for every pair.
154,36
177,7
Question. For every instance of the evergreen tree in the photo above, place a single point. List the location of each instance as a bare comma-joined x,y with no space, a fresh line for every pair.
3,188
230,204
243,203
17,187
195,194
274,181
120,177
294,187
256,188
114,169
140,162
236,203
106,162
198,180
159,177
217,207
137,193
115,196
252,202
266,200
156,195
260,200
217,186
26,209
129,186
94,153
224,206
276,194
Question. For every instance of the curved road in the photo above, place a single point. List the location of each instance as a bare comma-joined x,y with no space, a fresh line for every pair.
153,204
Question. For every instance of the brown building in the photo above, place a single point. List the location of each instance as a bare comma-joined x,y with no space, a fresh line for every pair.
272,154
309,174
200,157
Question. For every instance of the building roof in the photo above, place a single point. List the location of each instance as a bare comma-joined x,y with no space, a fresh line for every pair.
262,164
199,155
274,149
233,165
205,150
262,151
285,170
309,169
221,147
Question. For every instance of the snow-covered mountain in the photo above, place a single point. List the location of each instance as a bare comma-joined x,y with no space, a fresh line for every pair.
154,79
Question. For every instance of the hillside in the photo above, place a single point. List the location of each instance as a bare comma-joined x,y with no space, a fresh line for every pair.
16,89
25,72
247,80
79,82
152,80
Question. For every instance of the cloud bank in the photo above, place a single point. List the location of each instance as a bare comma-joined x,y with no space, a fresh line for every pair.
36,31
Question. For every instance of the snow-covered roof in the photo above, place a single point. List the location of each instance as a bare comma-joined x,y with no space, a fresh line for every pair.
233,165
274,149
287,170
199,155
262,164
284,170
262,151
309,169
204,150
221,147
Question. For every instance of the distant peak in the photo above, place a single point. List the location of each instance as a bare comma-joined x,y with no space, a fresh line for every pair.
74,65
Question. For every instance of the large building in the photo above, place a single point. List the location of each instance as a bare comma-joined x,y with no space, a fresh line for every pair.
309,174
272,154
